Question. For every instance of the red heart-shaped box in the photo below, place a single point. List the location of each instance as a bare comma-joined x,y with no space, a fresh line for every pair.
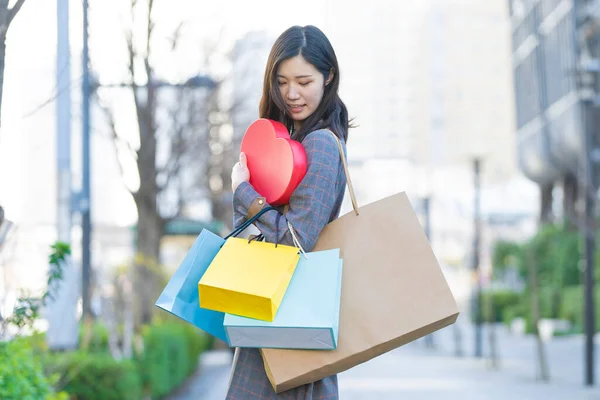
277,163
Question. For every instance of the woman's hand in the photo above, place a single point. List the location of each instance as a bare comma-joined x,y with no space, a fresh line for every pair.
240,172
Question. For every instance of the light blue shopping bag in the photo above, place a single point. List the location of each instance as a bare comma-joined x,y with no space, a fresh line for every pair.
308,317
180,296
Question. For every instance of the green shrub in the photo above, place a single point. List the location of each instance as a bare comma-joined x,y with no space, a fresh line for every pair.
98,341
21,373
96,376
566,304
523,307
572,307
36,342
512,312
170,355
501,300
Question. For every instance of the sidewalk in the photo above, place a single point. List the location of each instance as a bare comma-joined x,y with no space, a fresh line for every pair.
517,354
210,380
411,372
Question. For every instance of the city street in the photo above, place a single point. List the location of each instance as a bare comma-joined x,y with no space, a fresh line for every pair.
131,129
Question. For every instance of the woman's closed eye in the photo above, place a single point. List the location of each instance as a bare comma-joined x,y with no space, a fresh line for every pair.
300,83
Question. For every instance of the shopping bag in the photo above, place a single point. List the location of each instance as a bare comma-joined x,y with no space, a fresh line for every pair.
248,278
309,314
393,291
180,295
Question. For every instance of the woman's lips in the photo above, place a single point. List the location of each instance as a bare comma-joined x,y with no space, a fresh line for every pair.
296,108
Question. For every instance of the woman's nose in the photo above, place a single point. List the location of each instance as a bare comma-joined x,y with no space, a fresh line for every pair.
292,93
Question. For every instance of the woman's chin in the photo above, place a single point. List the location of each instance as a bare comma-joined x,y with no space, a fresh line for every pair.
301,117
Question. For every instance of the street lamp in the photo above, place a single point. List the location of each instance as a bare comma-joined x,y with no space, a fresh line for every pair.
588,69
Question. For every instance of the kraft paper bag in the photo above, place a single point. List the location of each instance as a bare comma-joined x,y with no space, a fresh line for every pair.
393,291
309,314
248,278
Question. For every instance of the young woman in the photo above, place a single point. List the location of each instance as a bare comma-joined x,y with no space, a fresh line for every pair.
301,84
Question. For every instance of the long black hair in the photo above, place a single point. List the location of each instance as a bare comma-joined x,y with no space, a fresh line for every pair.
310,42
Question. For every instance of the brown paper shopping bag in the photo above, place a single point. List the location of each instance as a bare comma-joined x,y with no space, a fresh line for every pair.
393,291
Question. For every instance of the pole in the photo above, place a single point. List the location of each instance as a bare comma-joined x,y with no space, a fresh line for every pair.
61,312
63,109
427,211
585,41
476,244
590,239
85,203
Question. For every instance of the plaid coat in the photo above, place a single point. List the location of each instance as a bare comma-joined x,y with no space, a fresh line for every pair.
315,202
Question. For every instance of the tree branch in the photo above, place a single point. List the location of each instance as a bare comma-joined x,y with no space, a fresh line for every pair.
150,28
179,143
176,36
131,58
117,139
173,165
13,12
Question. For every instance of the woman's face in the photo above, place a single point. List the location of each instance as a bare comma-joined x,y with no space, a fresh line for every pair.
301,86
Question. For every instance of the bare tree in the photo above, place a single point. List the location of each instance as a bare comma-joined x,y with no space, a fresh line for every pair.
166,140
182,150
7,15
543,368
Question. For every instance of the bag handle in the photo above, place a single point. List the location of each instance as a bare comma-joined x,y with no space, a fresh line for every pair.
295,239
249,222
260,237
347,172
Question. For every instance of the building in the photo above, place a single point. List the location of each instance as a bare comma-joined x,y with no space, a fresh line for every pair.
430,85
545,53
249,58
465,105
464,110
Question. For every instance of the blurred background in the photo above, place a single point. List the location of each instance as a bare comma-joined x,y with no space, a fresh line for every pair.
121,120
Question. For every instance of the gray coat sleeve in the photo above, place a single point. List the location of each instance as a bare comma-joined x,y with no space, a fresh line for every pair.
312,203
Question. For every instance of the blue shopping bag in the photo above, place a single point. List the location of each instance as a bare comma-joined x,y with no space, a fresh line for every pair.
180,296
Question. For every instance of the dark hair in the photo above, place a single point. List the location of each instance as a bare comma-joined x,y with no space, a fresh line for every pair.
310,42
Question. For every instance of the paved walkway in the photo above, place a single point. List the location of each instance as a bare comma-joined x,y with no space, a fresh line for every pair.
412,372
416,373
210,380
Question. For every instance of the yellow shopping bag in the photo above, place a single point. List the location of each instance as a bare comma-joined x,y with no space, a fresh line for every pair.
248,278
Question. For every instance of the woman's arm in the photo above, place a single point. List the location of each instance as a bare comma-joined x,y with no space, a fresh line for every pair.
311,204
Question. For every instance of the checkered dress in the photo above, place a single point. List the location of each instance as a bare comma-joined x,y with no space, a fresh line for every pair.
314,203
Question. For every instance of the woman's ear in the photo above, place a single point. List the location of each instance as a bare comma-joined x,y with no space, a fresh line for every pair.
330,77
